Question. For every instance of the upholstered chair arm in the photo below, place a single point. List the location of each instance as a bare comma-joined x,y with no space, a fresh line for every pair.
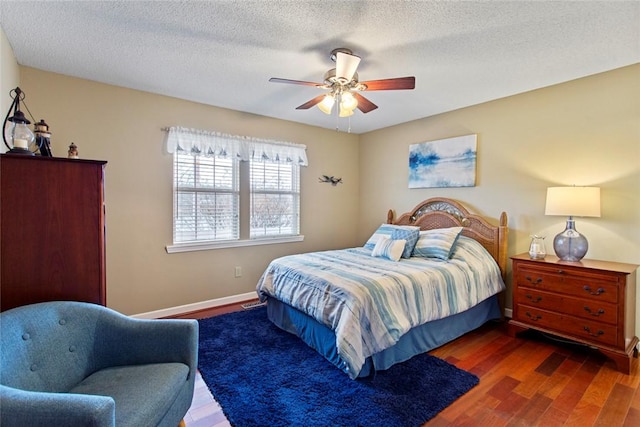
127,341
19,408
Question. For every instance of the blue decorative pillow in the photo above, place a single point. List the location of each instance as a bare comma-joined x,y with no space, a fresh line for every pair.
388,248
411,236
386,230
438,243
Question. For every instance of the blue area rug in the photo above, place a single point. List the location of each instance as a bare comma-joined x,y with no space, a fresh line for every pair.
263,376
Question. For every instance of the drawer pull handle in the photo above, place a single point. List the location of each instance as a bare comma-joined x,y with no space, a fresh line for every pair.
534,318
537,299
530,280
598,292
597,334
595,314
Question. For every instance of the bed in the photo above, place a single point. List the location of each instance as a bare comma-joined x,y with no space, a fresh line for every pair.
367,308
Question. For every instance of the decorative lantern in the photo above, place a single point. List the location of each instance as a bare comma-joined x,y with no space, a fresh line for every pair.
16,135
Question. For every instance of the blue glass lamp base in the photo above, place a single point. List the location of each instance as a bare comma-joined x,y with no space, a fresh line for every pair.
570,245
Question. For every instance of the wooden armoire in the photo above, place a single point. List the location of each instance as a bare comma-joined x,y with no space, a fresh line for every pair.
52,230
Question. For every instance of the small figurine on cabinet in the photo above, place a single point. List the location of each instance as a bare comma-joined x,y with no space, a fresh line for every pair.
43,138
73,151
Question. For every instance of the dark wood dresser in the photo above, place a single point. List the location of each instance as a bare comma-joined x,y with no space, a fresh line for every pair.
591,302
52,230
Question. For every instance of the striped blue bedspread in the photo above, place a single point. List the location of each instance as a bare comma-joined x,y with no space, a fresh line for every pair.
370,302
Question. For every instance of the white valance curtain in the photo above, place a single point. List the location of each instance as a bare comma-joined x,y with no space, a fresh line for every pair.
206,143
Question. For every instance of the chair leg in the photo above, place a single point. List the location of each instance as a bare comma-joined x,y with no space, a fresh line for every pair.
182,423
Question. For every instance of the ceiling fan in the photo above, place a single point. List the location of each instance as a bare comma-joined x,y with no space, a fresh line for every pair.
343,86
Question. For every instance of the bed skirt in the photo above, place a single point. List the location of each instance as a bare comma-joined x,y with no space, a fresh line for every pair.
418,340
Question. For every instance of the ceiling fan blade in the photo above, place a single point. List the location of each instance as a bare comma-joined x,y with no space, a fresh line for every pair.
391,84
309,104
364,104
294,82
346,65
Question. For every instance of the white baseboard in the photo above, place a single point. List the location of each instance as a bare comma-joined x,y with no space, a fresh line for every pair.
508,313
189,308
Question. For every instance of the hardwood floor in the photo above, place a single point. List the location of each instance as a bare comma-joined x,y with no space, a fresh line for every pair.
530,380
204,410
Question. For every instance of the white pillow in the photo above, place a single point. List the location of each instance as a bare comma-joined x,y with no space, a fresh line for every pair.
438,243
388,248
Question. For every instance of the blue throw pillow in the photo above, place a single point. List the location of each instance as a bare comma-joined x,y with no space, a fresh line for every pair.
411,236
438,243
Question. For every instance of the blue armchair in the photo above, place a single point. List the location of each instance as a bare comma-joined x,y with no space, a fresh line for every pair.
69,363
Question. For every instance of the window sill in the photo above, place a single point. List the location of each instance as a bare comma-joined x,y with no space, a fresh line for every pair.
205,246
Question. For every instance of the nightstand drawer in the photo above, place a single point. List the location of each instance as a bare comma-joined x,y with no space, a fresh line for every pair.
558,280
599,333
595,310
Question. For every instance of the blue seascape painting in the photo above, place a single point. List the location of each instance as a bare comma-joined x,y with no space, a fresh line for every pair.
447,162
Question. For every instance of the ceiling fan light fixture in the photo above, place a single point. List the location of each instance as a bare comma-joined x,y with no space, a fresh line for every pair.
326,105
343,86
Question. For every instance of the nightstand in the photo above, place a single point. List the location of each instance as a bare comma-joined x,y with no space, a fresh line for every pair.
591,302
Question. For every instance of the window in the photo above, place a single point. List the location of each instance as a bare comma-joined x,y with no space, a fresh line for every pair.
206,197
208,178
275,199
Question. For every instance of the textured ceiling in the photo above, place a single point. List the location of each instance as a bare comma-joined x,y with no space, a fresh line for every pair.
223,53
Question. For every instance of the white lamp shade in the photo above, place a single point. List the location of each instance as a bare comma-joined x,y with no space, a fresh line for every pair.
344,112
573,201
348,101
326,105
346,66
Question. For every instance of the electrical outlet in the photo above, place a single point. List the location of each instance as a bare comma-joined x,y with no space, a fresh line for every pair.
238,272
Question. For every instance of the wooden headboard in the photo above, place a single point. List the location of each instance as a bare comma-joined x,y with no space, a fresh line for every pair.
441,212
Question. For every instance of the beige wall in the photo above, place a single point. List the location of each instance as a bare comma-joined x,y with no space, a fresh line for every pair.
9,77
584,132
123,127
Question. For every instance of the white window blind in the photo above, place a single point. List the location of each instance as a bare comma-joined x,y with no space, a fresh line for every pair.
206,197
275,199
207,182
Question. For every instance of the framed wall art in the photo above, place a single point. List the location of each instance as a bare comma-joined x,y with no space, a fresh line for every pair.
443,163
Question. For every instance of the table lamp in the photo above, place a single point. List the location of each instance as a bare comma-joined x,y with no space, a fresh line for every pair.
572,201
